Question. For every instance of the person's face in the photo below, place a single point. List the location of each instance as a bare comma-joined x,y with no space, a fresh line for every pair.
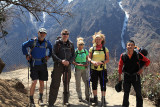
80,46
65,36
98,40
41,35
130,46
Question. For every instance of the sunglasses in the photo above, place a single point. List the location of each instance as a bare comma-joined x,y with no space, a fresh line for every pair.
81,44
42,32
65,34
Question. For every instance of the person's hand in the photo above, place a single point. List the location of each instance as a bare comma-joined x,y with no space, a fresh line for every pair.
65,63
86,64
99,63
46,57
120,78
95,63
140,71
28,57
79,64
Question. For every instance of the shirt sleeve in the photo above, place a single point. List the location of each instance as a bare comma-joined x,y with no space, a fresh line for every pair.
144,59
25,45
107,50
90,50
87,53
120,66
54,56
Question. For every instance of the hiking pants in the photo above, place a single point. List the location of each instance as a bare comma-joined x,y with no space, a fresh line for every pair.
99,75
55,83
78,74
136,82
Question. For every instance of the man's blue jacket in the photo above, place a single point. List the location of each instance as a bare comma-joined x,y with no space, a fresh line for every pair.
39,51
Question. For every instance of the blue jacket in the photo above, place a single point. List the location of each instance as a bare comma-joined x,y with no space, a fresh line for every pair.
38,52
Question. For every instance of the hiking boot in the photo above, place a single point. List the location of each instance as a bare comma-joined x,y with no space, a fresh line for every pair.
95,101
40,102
103,102
49,105
66,104
31,104
80,99
91,99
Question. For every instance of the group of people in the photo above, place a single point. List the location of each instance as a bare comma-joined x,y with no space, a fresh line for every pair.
90,66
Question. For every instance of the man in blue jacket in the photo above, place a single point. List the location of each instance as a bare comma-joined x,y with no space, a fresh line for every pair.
38,62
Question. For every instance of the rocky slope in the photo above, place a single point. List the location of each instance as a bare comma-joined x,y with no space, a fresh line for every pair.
143,25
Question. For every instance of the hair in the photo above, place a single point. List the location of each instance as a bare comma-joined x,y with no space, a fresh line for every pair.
80,41
101,35
130,41
64,31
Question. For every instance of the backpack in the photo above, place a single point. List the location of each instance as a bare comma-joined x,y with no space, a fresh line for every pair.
104,50
141,50
35,42
76,53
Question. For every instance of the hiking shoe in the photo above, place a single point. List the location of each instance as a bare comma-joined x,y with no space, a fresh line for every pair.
31,104
40,102
103,102
91,99
80,99
66,104
95,101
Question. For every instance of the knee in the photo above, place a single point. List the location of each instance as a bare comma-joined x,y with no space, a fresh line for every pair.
41,83
34,82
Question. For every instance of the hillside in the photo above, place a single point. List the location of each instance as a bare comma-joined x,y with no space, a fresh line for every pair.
89,17
143,25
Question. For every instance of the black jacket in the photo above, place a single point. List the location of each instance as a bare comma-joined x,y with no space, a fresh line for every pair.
63,51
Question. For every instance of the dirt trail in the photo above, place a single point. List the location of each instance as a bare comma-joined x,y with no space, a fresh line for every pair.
113,98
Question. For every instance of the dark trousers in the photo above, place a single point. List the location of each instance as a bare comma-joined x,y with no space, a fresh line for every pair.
99,75
59,69
136,82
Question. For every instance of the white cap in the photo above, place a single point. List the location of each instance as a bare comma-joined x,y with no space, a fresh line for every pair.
42,30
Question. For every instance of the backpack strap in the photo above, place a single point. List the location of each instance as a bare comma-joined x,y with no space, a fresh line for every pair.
104,50
80,53
92,52
76,52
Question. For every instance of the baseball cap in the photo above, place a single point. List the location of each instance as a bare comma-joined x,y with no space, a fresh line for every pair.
42,30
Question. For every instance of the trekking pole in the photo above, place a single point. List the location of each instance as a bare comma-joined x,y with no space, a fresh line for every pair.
28,82
103,90
28,76
46,92
103,100
89,79
66,86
